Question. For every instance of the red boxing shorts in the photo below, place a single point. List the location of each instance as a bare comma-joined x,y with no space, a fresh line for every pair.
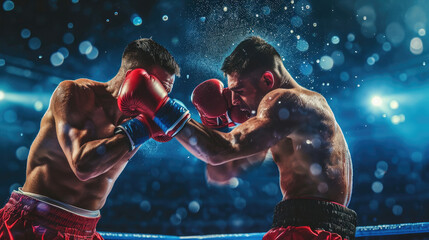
310,219
24,217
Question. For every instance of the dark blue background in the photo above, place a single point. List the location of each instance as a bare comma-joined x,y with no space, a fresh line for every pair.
382,51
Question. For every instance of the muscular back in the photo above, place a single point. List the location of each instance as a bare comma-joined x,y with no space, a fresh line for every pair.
69,159
313,159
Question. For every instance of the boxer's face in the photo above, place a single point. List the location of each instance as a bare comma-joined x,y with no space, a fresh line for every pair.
244,93
163,76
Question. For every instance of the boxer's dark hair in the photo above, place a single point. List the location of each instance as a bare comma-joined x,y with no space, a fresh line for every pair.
147,52
250,54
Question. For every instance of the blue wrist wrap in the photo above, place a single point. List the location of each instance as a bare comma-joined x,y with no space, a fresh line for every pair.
136,131
172,117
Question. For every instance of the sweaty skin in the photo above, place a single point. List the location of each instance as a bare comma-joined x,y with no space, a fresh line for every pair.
297,126
76,158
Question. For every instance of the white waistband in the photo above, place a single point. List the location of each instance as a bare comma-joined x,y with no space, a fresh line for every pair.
67,207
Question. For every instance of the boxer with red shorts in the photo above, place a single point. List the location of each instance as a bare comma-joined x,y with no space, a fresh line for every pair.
293,123
26,217
84,143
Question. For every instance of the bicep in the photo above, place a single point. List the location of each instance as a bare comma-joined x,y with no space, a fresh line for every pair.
73,128
72,138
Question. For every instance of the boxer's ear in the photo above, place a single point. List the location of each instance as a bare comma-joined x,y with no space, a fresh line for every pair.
267,80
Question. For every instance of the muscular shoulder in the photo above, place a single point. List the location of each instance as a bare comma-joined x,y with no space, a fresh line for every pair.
72,100
296,105
279,100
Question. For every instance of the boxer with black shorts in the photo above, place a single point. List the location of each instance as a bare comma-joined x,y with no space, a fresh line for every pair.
294,123
83,145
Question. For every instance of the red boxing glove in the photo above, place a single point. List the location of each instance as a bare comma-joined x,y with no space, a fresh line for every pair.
143,93
129,103
214,104
208,99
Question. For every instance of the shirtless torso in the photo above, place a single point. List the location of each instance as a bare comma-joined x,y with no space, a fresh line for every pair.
299,128
313,160
75,158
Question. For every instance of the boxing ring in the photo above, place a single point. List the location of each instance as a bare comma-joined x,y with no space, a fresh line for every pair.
404,229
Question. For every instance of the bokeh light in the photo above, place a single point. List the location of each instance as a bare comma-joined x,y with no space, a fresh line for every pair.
415,18
34,43
351,37
93,54
296,21
387,46
344,76
38,106
338,57
302,45
266,10
416,46
306,68
377,187
68,38
395,33
57,59
335,40
22,153
85,47
136,20
376,101
394,104
64,51
25,33
326,63
8,5
194,207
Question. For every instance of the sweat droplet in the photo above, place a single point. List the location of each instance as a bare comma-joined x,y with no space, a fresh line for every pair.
315,169
322,187
193,141
284,114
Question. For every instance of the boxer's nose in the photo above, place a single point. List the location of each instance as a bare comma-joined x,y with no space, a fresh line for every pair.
236,99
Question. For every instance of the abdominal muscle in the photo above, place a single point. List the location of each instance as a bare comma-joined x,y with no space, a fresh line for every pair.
49,174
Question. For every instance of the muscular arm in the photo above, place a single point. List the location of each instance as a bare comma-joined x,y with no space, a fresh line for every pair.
88,156
276,118
222,174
